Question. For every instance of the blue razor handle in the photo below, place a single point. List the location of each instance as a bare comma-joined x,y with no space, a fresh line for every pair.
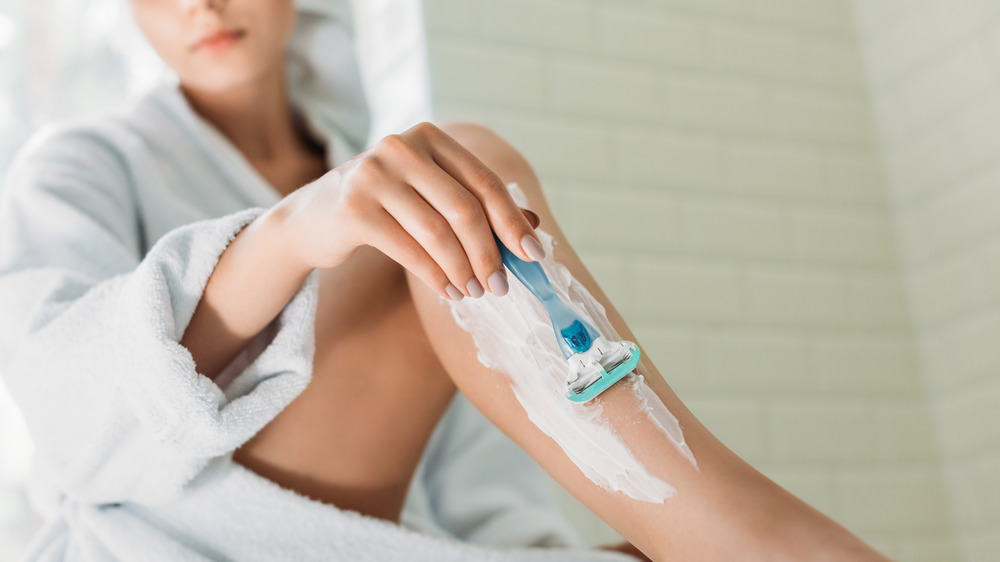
573,333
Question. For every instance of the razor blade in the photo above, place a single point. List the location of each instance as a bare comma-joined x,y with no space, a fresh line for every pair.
593,371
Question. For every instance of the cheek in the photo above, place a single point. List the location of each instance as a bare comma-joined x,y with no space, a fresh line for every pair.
269,32
285,12
165,34
277,23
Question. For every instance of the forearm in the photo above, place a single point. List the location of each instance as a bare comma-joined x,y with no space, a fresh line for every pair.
255,278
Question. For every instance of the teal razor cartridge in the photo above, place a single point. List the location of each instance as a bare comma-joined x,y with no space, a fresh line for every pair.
594,363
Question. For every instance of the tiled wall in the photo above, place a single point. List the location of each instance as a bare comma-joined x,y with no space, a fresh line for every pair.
934,69
714,162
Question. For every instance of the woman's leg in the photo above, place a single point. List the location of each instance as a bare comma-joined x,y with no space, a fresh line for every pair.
354,436
724,510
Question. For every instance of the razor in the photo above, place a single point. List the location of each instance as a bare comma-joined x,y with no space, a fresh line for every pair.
594,362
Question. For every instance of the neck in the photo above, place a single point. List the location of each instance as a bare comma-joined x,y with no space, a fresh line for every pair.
255,117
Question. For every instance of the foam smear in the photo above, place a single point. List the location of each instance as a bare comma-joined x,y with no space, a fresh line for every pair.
513,335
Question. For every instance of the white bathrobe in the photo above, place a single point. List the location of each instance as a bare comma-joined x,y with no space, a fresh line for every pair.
109,231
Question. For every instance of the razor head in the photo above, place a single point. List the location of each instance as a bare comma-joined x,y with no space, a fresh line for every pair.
595,370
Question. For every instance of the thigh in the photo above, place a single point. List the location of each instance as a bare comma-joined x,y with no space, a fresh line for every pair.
353,438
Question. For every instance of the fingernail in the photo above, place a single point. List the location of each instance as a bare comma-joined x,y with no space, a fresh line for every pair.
453,292
532,248
475,289
498,283
532,217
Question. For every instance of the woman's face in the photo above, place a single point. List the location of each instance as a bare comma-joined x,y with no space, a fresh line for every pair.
217,45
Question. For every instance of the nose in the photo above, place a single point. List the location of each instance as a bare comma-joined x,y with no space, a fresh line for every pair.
211,5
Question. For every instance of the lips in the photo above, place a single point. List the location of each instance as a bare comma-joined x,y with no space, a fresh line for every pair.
219,40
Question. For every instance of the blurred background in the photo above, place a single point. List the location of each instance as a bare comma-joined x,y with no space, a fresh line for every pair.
794,203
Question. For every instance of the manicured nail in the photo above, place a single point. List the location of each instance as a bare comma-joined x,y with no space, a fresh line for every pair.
532,217
498,283
453,292
475,289
532,248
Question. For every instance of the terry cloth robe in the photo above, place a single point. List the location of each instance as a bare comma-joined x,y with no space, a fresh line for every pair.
109,231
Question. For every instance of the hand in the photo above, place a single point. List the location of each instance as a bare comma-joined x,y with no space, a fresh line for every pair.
423,200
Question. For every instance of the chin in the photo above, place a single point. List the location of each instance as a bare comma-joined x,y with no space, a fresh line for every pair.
217,84
224,76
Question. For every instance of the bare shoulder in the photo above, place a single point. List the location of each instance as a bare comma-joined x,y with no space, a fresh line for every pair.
503,158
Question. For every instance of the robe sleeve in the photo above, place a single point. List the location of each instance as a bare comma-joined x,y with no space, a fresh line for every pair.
89,331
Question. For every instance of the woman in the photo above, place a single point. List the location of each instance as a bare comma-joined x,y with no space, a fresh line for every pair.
176,276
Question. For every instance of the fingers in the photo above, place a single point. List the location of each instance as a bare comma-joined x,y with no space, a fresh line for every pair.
389,237
439,208
502,214
465,215
437,235
451,251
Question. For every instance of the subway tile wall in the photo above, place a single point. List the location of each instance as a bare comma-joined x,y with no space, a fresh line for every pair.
934,70
715,164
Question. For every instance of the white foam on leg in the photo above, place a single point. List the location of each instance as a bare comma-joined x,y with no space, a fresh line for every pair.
513,335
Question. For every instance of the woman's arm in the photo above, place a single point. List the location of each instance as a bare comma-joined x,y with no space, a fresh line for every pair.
90,321
723,509
254,280
418,197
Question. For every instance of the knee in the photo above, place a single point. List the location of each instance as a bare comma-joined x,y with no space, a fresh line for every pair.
492,149
481,141
465,131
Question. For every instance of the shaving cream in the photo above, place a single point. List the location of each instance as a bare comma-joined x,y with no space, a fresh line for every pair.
513,335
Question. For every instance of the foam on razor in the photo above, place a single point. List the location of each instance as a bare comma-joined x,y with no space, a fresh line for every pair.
513,334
